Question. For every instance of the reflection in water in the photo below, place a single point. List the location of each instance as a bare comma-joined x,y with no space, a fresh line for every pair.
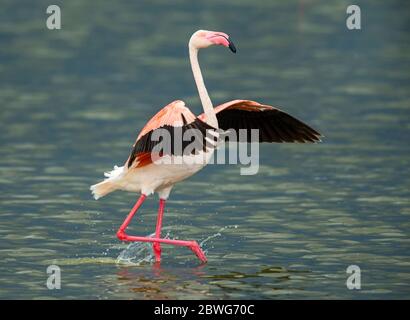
72,100
151,286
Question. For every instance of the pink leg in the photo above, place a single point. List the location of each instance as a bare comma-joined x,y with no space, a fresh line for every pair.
157,245
193,245
121,231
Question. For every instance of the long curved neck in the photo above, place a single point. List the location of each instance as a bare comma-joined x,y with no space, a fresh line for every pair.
203,93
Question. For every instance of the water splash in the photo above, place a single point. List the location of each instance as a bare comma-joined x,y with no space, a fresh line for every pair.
215,235
138,253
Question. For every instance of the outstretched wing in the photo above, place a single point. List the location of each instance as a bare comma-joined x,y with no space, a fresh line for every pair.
176,119
274,125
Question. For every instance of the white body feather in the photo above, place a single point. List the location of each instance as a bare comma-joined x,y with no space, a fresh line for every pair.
154,177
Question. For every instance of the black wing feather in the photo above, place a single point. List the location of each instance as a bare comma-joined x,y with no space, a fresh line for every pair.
146,143
274,125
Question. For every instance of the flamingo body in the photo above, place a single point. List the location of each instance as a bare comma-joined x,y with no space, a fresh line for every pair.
140,173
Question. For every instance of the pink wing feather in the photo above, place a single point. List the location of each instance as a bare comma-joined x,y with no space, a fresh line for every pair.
173,115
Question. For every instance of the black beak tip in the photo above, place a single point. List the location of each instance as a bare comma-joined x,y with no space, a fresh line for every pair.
232,46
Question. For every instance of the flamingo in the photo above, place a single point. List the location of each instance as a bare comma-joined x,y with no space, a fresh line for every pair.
143,175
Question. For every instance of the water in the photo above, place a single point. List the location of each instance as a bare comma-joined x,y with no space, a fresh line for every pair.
73,100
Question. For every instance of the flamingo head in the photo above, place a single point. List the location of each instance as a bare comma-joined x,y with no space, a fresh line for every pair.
204,39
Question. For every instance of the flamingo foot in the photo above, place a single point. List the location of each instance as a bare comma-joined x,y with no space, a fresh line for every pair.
198,252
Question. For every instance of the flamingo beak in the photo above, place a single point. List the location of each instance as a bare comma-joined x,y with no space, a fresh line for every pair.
231,46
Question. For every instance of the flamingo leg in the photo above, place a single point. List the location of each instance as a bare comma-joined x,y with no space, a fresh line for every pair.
157,245
191,244
121,231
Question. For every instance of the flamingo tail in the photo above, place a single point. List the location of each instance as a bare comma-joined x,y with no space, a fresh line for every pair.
109,185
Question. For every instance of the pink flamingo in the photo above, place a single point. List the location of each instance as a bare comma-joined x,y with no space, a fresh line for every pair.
142,174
